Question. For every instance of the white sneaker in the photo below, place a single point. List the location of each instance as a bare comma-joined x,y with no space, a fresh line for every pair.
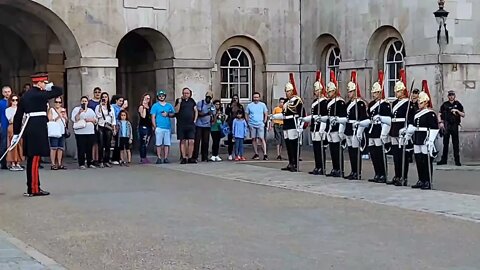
213,159
115,163
218,158
230,157
19,168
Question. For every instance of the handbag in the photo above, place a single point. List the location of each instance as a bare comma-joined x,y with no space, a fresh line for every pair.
80,124
54,129
107,125
66,134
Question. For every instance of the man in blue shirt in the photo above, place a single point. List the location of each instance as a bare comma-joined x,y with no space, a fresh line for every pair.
6,93
161,113
203,126
257,115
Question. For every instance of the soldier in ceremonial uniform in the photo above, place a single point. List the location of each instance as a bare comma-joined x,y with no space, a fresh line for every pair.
33,105
424,131
402,112
379,141
318,124
337,119
292,110
356,113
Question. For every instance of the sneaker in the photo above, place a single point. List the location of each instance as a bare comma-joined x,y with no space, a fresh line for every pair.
256,157
159,161
115,163
230,157
92,167
243,158
108,165
183,161
279,157
12,169
238,158
102,165
265,157
82,167
19,168
192,161
218,158
365,157
213,158
166,161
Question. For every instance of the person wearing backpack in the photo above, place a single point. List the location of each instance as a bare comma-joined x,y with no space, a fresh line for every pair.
217,130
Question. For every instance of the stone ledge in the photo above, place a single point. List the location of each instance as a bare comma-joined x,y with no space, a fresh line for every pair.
282,68
91,62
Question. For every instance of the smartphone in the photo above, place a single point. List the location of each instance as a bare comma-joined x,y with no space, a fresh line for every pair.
84,107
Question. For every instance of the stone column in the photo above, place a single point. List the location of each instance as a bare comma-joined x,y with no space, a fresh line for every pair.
83,75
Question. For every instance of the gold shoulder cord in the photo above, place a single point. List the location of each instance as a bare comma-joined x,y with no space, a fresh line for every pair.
292,106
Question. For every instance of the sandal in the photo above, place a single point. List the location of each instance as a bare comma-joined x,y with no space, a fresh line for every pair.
54,168
61,167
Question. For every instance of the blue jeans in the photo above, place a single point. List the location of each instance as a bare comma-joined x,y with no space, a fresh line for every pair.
3,146
144,135
239,147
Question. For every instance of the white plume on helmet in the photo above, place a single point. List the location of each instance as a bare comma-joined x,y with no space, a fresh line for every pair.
399,86
317,86
331,87
376,87
351,86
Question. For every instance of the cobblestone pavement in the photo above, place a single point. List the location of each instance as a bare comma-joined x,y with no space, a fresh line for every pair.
237,216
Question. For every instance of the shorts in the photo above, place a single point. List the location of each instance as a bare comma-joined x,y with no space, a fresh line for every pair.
163,137
124,143
186,132
278,132
57,143
257,132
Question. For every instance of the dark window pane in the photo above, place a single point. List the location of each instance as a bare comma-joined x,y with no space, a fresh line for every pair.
391,71
234,63
224,91
398,45
391,54
234,52
233,74
398,57
233,89
244,75
225,59
331,59
337,52
399,65
391,87
224,72
244,62
244,91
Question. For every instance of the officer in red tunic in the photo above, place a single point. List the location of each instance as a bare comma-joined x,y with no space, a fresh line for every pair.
356,113
34,131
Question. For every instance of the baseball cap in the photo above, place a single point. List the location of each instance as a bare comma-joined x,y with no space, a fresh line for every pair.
209,94
451,93
161,93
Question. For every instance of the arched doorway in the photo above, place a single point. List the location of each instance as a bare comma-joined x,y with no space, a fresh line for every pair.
145,59
33,38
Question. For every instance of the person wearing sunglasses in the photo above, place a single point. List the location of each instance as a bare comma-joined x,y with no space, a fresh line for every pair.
33,104
15,156
58,115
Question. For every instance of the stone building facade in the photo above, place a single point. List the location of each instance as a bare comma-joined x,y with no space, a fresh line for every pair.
136,46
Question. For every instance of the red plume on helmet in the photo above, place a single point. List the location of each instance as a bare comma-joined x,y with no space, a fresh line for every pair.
353,78
333,79
292,81
319,79
381,77
403,78
427,91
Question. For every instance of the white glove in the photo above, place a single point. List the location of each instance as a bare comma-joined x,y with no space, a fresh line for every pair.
365,123
333,120
324,119
277,116
316,118
355,125
48,86
323,127
402,132
384,138
360,131
307,119
431,148
386,120
15,139
341,120
376,118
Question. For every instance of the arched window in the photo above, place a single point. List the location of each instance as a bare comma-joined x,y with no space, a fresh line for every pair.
332,62
236,70
394,61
